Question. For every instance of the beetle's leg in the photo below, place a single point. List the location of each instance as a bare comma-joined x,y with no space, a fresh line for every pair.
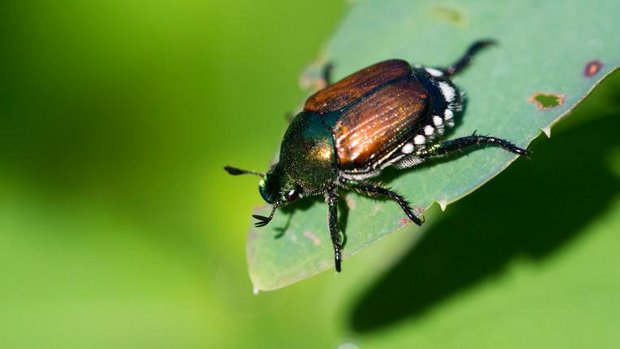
373,190
463,143
331,197
262,220
466,59
326,73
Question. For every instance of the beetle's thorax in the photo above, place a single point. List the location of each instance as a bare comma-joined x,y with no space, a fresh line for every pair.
307,156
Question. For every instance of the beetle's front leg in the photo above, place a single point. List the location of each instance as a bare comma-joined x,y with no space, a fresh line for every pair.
373,190
331,197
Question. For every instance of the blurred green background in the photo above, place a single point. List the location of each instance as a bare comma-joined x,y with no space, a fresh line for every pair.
119,228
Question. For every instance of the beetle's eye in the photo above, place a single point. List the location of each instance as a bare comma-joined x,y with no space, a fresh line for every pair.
292,195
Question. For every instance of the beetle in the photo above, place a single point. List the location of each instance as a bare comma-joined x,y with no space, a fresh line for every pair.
388,114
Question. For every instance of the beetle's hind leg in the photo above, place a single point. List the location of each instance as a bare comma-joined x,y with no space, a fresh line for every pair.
466,59
467,143
331,197
373,190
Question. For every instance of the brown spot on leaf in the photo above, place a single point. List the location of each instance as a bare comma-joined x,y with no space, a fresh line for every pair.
312,236
419,211
403,222
592,68
351,203
450,15
545,100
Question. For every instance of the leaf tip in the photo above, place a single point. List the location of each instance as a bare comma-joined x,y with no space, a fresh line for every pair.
443,204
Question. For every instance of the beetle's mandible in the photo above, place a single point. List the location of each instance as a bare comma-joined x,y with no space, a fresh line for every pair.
388,114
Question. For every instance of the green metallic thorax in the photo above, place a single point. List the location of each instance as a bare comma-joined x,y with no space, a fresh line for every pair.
307,156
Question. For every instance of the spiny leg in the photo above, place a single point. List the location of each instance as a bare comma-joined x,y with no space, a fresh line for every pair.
466,59
331,197
373,190
463,143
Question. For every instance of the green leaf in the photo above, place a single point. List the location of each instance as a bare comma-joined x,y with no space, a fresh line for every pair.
550,56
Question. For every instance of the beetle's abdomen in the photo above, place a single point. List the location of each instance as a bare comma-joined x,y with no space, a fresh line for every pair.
372,128
346,91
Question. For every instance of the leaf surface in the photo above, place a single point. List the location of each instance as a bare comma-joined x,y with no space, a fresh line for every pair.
549,57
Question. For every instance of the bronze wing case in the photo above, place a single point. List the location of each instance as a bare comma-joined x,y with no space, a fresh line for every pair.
346,91
375,127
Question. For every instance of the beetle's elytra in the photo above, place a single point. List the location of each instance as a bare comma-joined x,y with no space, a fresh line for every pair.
388,114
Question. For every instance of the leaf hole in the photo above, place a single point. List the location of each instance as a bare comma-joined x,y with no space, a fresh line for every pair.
544,101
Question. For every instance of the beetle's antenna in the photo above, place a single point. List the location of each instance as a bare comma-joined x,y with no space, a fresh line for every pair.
262,220
237,171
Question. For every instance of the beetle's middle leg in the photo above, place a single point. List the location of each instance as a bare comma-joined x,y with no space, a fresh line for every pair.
331,197
373,190
466,143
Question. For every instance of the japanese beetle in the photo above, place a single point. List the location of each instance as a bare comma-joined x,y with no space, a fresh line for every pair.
388,114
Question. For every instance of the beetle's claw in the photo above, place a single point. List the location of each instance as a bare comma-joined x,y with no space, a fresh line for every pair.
419,220
262,220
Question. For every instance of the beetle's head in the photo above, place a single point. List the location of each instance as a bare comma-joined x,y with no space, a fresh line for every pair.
275,187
